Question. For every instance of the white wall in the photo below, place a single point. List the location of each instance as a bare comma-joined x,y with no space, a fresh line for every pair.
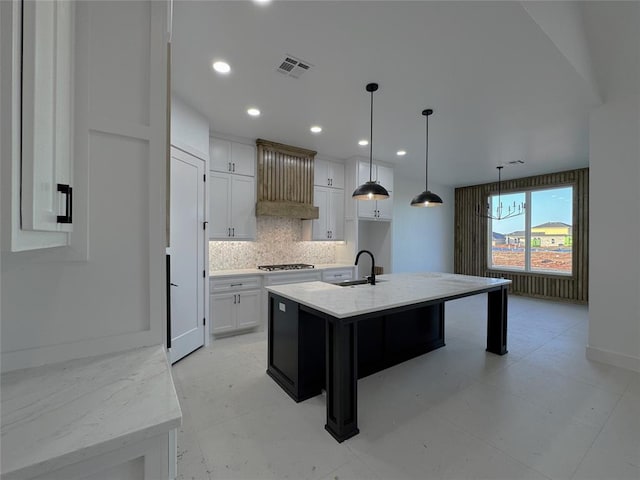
614,256
54,309
189,129
422,237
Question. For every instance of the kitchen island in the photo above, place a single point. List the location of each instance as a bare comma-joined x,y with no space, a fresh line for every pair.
327,336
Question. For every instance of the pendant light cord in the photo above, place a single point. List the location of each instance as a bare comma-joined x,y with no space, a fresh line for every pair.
499,185
371,143
426,158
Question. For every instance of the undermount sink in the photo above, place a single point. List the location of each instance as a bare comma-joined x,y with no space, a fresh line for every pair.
350,283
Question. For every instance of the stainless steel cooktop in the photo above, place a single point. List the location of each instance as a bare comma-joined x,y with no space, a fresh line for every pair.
285,266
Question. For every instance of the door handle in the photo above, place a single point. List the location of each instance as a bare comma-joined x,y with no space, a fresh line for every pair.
174,284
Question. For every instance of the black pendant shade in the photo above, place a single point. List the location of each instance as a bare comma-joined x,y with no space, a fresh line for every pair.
370,190
426,198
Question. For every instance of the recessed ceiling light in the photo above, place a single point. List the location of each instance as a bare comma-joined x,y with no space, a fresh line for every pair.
221,67
316,129
363,143
254,112
401,153
262,2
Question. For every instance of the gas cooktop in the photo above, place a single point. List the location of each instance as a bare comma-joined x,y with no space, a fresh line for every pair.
285,266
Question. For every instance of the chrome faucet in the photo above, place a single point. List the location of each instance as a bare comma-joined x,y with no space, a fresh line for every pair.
371,279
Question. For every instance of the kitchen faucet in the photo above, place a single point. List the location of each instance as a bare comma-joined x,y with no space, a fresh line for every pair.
371,279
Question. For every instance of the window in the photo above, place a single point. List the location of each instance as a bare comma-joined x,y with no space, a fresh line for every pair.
539,241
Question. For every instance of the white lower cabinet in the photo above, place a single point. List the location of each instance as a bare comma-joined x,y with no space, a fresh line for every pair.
234,304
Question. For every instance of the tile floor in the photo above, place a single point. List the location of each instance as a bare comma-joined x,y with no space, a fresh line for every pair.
540,412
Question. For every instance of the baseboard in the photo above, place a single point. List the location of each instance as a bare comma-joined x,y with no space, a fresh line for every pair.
613,358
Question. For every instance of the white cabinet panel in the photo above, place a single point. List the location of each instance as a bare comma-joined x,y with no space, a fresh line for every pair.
330,222
231,207
319,225
219,155
248,309
335,219
219,208
242,219
222,313
243,159
328,174
232,157
384,176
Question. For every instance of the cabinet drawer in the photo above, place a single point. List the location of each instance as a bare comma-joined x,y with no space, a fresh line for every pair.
338,275
235,283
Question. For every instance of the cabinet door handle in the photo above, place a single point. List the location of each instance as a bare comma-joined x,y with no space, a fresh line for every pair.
234,167
234,299
229,168
229,232
233,231
238,299
235,285
67,191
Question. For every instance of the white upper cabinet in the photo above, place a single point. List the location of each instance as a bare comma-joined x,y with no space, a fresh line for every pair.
330,223
42,121
328,173
232,157
376,209
232,190
231,206
379,173
328,196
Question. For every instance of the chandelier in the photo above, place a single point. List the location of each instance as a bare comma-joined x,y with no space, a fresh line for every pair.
501,212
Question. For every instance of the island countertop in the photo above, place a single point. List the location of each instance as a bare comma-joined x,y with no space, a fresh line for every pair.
390,291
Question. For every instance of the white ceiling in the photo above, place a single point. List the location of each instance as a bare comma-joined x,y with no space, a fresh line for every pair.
500,88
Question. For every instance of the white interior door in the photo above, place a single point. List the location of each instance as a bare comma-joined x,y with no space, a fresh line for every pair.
187,254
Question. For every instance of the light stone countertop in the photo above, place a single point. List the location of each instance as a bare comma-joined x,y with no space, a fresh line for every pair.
390,291
255,271
56,415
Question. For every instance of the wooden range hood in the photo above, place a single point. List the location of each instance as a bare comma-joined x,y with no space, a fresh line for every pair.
285,181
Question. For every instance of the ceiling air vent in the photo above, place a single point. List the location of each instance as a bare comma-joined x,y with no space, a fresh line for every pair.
293,67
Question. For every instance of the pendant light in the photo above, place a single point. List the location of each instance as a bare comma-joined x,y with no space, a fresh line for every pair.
371,190
426,198
501,213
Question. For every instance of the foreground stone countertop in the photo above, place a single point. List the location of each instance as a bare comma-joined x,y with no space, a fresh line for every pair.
256,271
391,290
57,415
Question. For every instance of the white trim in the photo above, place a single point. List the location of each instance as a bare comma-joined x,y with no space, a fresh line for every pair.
191,150
613,358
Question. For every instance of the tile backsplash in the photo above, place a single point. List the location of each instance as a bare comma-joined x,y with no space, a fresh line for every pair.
278,240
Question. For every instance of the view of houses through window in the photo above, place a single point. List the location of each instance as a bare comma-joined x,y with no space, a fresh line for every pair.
539,241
